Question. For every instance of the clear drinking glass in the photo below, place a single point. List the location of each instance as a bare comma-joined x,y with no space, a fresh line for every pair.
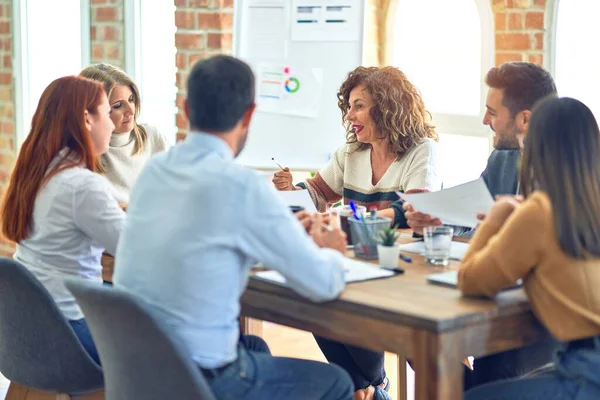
438,243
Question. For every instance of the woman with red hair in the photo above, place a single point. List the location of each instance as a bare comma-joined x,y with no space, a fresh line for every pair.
59,212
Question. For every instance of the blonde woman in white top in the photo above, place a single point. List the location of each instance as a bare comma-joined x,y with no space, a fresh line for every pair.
61,214
131,144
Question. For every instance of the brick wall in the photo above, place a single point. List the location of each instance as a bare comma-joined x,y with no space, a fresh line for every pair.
107,32
204,28
7,106
520,30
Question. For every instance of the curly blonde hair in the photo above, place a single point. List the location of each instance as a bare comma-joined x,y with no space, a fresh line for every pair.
398,111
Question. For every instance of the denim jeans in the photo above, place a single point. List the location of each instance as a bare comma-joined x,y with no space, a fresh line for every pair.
85,338
577,377
510,364
258,376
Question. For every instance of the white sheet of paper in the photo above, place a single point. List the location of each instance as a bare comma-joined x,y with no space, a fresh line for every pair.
266,3
457,249
355,271
264,39
455,206
298,198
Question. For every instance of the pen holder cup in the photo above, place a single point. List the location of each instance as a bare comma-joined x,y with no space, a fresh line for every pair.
365,234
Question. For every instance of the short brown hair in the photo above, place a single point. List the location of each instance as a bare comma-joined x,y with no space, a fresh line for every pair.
398,112
523,83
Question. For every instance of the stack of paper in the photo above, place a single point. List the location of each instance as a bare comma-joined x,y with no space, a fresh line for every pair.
455,206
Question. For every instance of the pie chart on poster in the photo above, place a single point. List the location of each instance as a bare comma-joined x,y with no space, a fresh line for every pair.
292,85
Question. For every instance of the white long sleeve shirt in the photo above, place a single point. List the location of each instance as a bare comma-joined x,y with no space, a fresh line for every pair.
75,218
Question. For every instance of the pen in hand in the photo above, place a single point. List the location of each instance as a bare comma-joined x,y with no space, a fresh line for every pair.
328,228
278,164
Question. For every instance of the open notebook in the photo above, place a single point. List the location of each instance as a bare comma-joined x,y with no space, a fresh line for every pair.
450,279
355,271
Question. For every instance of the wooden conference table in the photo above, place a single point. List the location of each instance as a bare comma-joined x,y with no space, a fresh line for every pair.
433,326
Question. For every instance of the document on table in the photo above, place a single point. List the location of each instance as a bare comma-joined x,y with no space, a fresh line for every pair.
455,206
298,198
355,271
457,249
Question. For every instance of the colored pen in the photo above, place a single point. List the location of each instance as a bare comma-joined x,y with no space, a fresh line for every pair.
405,258
354,210
365,248
276,162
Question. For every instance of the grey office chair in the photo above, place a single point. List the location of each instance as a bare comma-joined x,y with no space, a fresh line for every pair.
139,358
38,348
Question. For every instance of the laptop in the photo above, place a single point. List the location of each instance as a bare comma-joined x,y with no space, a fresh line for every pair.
450,279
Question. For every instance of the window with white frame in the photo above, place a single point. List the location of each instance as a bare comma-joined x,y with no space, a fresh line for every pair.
445,48
576,63
46,50
150,60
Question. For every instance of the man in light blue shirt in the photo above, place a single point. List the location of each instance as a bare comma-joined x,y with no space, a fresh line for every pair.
196,224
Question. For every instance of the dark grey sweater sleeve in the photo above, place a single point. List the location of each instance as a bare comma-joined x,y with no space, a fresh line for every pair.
399,217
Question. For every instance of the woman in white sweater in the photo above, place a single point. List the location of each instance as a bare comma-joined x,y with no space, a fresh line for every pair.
131,145
60,213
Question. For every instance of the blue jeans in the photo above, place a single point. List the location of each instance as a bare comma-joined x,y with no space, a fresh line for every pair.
577,377
258,376
510,364
85,337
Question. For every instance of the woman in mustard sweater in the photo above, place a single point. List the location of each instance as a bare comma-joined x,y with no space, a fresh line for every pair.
552,241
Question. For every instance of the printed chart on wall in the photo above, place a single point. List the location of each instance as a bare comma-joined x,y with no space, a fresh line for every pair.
300,52
325,21
286,89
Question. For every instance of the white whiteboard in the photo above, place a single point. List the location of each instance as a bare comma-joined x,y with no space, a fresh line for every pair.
301,124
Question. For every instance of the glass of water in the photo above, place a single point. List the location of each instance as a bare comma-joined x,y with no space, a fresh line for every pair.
438,243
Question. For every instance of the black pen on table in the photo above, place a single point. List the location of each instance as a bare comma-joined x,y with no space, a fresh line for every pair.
395,269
